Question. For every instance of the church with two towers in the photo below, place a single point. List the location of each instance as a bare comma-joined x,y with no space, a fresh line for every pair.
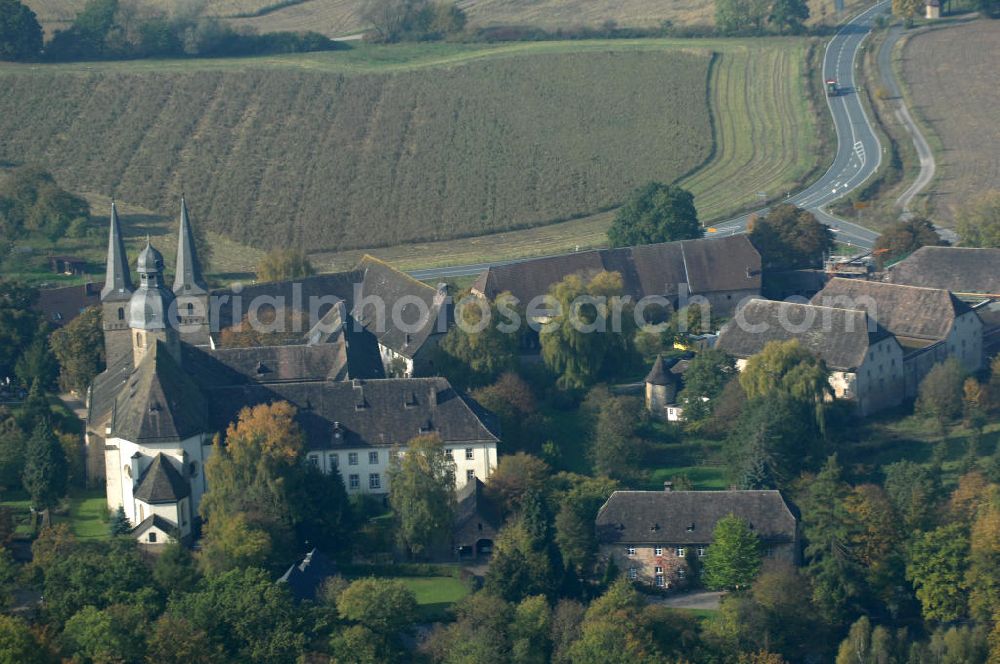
362,386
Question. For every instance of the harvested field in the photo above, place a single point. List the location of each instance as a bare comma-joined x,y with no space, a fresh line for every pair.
323,160
301,149
343,17
951,78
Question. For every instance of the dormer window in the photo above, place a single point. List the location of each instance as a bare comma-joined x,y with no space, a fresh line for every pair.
690,527
427,427
655,527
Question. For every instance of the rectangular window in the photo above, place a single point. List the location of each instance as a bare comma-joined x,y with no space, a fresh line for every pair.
468,454
470,476
658,551
354,482
373,458
352,458
374,481
681,551
313,460
659,580
334,461
681,573
633,573
659,570
701,551
449,452
630,551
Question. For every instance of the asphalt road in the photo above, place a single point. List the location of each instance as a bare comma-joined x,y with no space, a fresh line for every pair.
858,157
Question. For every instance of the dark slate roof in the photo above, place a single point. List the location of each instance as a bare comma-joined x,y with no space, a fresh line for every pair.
473,503
162,483
659,375
840,337
380,280
706,265
275,364
61,305
360,413
306,577
293,295
163,523
906,311
371,279
158,402
105,388
961,270
667,517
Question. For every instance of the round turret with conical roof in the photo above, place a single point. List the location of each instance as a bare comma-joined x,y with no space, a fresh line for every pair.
661,386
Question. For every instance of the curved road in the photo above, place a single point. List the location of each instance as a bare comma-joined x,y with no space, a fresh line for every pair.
859,152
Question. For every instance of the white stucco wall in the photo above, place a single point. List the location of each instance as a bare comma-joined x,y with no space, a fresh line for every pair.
482,464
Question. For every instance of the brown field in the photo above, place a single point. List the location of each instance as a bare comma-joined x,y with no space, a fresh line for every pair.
952,80
343,17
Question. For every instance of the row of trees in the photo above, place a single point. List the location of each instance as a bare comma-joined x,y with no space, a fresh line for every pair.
760,16
115,29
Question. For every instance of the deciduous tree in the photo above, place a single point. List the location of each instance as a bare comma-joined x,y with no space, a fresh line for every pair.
586,339
705,378
385,606
20,32
979,221
422,494
936,566
655,212
475,351
790,238
903,238
79,348
940,393
734,558
284,265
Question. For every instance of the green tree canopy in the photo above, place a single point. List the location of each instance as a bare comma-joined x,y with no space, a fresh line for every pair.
789,368
283,265
655,212
774,438
20,32
616,450
790,238
705,378
826,524
79,348
45,468
17,644
249,513
788,15
936,566
32,202
939,396
587,340
422,494
979,221
475,351
734,558
385,606
902,238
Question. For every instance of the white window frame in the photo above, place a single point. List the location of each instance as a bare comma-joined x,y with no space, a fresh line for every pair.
681,551
470,475
658,551
354,481
470,454
633,574
352,458
373,458
374,481
630,551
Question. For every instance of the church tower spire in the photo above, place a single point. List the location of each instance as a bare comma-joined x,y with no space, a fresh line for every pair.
115,296
189,286
188,278
117,280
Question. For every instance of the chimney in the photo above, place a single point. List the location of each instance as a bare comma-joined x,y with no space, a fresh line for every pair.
668,486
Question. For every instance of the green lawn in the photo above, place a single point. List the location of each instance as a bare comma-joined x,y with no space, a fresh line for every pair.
432,590
87,514
703,477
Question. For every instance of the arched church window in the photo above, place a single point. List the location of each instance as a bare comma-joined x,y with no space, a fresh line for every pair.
127,470
138,339
193,469
190,309
121,313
